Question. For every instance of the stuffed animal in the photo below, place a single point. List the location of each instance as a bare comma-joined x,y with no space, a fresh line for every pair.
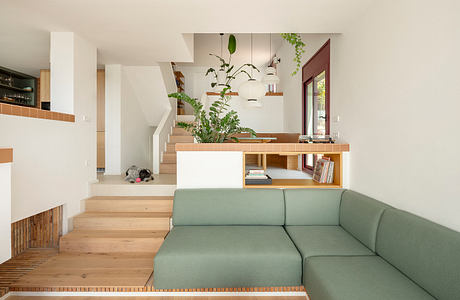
132,174
136,174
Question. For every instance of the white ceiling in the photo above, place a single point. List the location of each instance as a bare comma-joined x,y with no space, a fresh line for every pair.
142,32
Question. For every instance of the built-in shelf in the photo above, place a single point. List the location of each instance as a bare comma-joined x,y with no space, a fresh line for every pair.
336,157
13,88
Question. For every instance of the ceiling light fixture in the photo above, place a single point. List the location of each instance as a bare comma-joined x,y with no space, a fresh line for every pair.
270,72
221,74
252,90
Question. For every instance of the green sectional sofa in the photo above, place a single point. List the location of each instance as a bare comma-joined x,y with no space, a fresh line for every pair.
338,243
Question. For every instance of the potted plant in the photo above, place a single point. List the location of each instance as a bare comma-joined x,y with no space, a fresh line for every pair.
218,124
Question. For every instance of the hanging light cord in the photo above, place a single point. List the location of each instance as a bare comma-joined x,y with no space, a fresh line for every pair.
221,43
270,58
252,69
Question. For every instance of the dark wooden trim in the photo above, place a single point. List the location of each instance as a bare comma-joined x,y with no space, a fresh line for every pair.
318,63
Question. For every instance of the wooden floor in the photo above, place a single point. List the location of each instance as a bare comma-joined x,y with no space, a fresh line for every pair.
15,268
111,247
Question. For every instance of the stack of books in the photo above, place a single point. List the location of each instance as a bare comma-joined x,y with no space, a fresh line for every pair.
256,174
324,170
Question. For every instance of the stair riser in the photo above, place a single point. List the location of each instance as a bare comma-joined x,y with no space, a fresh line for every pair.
168,169
180,139
129,205
169,159
100,223
180,131
110,245
171,148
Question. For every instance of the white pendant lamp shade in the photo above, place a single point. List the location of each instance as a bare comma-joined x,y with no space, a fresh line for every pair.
221,79
270,76
252,90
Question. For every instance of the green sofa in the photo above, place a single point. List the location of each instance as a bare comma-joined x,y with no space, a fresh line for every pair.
338,243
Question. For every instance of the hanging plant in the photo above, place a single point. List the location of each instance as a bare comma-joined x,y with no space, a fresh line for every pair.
295,40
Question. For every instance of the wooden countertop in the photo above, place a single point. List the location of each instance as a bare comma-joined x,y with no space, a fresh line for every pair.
6,155
265,147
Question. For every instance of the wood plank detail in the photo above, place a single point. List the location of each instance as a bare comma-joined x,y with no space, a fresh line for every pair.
6,155
39,231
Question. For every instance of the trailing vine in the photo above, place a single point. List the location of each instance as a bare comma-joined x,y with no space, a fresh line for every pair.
295,40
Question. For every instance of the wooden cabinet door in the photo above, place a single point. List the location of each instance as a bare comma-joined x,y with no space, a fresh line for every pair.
45,86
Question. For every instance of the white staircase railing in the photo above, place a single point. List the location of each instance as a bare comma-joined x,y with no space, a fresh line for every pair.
161,136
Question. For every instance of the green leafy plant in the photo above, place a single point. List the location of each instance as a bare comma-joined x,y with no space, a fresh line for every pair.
295,40
218,125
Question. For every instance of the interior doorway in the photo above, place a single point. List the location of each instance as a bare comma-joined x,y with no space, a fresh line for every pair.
316,99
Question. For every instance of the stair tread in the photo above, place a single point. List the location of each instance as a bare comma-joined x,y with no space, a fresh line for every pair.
124,215
131,198
110,234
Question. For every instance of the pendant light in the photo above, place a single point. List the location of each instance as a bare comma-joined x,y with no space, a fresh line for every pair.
221,74
270,72
252,90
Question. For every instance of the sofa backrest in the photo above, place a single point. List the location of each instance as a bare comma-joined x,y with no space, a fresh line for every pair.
424,251
360,216
312,206
228,207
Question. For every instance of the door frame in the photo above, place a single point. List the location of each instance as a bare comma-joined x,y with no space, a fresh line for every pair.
318,63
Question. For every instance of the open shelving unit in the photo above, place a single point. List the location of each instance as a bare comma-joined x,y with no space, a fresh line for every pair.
336,157
17,88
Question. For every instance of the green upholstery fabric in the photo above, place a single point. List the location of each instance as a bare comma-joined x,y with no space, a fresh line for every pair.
426,252
312,206
358,278
360,216
228,207
227,256
325,240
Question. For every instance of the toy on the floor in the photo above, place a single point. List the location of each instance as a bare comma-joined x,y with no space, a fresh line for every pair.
136,174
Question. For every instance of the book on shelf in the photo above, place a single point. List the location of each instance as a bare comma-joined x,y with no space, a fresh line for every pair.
256,174
324,170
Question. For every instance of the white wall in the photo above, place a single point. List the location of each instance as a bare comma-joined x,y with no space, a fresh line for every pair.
53,160
5,212
113,119
136,130
291,86
396,88
268,118
209,169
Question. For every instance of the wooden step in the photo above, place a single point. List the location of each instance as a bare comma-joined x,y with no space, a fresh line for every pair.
111,241
168,168
170,147
129,204
169,157
181,139
180,131
122,221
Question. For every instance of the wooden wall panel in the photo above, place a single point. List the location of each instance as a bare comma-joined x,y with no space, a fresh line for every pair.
39,231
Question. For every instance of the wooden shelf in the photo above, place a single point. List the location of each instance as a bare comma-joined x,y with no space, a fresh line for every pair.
292,183
336,157
13,88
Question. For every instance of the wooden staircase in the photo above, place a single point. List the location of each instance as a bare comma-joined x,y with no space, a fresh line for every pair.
168,164
123,224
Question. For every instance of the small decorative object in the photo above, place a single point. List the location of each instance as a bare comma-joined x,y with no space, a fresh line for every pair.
295,40
136,174
316,139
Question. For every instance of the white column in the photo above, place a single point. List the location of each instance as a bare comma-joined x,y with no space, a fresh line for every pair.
62,72
5,212
113,119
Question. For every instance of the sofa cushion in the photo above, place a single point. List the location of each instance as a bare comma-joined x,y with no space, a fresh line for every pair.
360,216
228,207
358,278
426,252
312,206
227,256
325,240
